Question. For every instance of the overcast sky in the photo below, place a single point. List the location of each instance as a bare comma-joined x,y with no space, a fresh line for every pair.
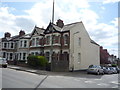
100,17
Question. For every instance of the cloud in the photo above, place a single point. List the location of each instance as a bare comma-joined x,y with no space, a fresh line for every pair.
70,11
7,23
110,1
115,22
63,9
104,34
13,24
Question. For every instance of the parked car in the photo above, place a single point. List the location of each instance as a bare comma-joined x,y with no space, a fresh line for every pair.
118,70
107,70
3,62
95,69
114,71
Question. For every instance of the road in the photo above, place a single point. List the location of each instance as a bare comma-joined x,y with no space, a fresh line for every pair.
20,79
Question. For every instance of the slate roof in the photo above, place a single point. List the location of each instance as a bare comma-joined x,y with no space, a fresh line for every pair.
39,30
26,36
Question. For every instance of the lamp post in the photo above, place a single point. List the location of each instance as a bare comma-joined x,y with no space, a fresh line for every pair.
51,28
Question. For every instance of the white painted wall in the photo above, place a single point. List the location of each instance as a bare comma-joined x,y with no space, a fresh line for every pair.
89,52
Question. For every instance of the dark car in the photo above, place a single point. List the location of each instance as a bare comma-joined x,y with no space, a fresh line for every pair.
95,69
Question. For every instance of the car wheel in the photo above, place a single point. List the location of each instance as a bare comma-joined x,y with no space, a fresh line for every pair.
98,72
103,73
5,66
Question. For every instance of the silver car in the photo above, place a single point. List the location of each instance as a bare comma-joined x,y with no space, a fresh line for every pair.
3,62
107,70
114,71
95,69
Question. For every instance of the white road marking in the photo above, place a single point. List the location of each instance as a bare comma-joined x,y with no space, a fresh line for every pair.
79,79
89,82
103,84
115,87
97,79
114,82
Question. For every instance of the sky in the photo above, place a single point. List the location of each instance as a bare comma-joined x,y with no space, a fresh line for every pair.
100,17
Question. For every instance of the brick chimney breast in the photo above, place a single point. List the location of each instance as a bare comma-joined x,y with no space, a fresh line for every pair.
60,23
21,33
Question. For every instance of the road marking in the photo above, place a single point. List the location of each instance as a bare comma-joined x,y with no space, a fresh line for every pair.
114,82
115,87
89,82
103,84
41,82
97,79
79,79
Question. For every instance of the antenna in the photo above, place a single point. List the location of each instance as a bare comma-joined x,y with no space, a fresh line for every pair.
53,13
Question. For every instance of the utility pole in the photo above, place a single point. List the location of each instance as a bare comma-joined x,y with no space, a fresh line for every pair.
51,52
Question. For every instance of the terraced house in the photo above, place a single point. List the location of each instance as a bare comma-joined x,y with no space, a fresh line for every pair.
67,47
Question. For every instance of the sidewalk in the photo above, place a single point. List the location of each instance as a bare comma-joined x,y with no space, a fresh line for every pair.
27,69
43,72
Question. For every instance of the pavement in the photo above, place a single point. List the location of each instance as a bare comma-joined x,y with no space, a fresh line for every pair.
43,72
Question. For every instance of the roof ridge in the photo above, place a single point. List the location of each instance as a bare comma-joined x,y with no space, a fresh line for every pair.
39,28
72,23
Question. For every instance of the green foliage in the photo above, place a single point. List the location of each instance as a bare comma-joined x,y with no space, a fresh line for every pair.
114,65
37,61
32,60
42,61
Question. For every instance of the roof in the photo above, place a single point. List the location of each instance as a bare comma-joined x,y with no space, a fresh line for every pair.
13,38
59,29
27,36
93,42
56,27
39,30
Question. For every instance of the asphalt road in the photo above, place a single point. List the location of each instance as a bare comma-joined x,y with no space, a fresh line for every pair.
20,79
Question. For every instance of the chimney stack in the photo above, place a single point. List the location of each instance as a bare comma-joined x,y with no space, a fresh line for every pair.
21,33
60,23
7,34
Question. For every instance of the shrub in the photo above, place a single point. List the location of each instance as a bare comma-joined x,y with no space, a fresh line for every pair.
114,65
32,60
42,61
37,61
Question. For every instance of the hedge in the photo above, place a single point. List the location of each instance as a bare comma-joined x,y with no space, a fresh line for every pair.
37,61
